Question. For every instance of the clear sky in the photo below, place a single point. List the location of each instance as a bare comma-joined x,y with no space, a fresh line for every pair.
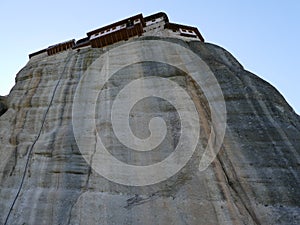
264,35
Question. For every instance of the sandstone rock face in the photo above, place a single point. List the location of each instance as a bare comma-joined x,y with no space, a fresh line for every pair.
46,178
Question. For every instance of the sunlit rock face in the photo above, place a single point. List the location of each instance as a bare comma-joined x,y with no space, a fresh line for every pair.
45,178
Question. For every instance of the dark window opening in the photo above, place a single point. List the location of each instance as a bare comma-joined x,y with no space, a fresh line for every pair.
129,24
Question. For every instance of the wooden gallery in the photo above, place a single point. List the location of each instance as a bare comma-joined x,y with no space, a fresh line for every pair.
124,30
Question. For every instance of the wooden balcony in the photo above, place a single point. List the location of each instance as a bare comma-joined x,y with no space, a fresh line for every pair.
119,35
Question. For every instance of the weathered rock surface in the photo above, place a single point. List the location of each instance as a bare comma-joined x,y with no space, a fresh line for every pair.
3,105
44,178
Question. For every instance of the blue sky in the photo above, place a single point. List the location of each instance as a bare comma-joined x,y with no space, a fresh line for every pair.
263,35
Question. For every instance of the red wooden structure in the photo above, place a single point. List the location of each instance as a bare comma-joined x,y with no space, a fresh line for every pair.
51,50
122,30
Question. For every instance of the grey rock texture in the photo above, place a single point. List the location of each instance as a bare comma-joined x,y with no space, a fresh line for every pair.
44,179
3,105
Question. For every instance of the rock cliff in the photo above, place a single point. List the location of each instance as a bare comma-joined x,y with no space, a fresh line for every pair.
45,178
3,105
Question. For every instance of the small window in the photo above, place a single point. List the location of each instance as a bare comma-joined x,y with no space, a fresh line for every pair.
113,28
183,30
137,20
129,24
153,20
102,32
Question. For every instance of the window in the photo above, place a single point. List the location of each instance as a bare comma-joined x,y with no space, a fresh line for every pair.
153,20
129,24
